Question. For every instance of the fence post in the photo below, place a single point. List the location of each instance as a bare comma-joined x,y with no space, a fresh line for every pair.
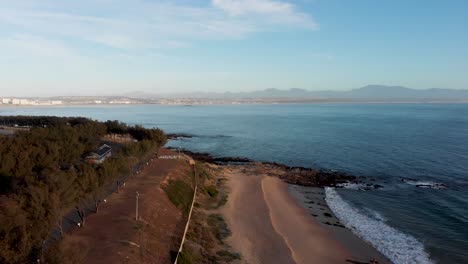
136,207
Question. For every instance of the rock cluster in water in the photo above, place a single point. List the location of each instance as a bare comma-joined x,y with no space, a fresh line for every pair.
293,175
177,136
206,157
312,177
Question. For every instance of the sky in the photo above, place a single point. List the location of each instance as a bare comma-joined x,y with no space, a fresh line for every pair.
111,47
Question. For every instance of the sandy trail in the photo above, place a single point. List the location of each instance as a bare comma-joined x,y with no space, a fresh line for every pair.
268,227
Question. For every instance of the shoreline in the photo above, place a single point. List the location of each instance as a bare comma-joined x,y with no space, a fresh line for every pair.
312,201
276,225
302,176
235,103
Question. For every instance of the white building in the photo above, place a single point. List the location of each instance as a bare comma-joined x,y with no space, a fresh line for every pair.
25,102
6,101
56,102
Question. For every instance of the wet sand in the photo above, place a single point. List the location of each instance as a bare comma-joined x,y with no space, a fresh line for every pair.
312,200
309,242
269,225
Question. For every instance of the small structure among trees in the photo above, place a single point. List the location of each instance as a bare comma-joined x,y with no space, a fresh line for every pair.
100,155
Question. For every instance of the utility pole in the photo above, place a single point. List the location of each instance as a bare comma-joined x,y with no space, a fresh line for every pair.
136,208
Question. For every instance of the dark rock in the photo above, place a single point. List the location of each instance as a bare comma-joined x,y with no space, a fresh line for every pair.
206,157
232,159
293,175
176,136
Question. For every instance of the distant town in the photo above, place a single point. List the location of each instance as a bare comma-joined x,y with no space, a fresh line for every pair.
22,101
63,101
369,93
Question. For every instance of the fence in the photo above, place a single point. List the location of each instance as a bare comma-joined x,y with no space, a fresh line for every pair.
72,218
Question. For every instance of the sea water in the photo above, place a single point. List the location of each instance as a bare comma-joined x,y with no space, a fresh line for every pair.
403,147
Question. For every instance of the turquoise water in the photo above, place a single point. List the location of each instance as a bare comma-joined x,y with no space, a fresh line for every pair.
388,142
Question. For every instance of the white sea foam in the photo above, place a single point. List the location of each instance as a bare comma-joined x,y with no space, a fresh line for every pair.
426,184
395,245
351,186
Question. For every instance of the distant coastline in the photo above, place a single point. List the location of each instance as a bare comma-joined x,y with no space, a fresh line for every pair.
366,94
225,102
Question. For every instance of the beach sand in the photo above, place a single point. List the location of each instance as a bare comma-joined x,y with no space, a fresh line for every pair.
248,217
269,224
312,200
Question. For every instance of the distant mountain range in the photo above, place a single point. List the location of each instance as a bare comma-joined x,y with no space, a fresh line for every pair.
366,93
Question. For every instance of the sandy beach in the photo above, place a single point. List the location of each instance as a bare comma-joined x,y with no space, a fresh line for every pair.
269,224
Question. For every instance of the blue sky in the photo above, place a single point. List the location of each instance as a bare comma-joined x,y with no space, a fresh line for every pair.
87,47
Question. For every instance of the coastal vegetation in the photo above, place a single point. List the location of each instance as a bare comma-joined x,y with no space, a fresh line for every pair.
44,176
180,193
205,241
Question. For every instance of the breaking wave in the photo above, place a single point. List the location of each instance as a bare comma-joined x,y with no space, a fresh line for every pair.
425,184
395,245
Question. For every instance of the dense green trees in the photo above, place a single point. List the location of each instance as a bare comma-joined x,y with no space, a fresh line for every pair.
43,176
137,132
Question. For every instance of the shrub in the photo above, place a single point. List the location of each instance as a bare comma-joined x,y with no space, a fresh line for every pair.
180,194
211,190
219,226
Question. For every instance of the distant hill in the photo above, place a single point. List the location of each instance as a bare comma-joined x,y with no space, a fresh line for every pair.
366,93
400,93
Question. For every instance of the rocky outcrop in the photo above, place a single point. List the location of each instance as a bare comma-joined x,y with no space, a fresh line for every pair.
312,177
176,136
206,157
294,175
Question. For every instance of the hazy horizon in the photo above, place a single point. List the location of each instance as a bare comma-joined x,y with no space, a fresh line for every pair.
113,47
367,93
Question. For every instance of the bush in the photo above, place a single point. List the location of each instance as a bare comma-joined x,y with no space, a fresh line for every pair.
212,190
180,194
219,226
228,256
188,257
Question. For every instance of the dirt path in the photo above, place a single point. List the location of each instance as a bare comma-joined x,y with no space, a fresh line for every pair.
113,235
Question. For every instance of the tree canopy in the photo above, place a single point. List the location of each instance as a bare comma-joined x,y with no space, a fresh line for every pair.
43,175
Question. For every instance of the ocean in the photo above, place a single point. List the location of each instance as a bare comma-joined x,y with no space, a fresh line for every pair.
403,147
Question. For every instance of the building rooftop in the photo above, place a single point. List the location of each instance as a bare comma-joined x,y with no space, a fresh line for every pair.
103,150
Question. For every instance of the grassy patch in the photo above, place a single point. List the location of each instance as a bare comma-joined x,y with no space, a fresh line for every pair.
223,200
202,172
188,257
227,256
138,225
180,194
212,190
218,226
